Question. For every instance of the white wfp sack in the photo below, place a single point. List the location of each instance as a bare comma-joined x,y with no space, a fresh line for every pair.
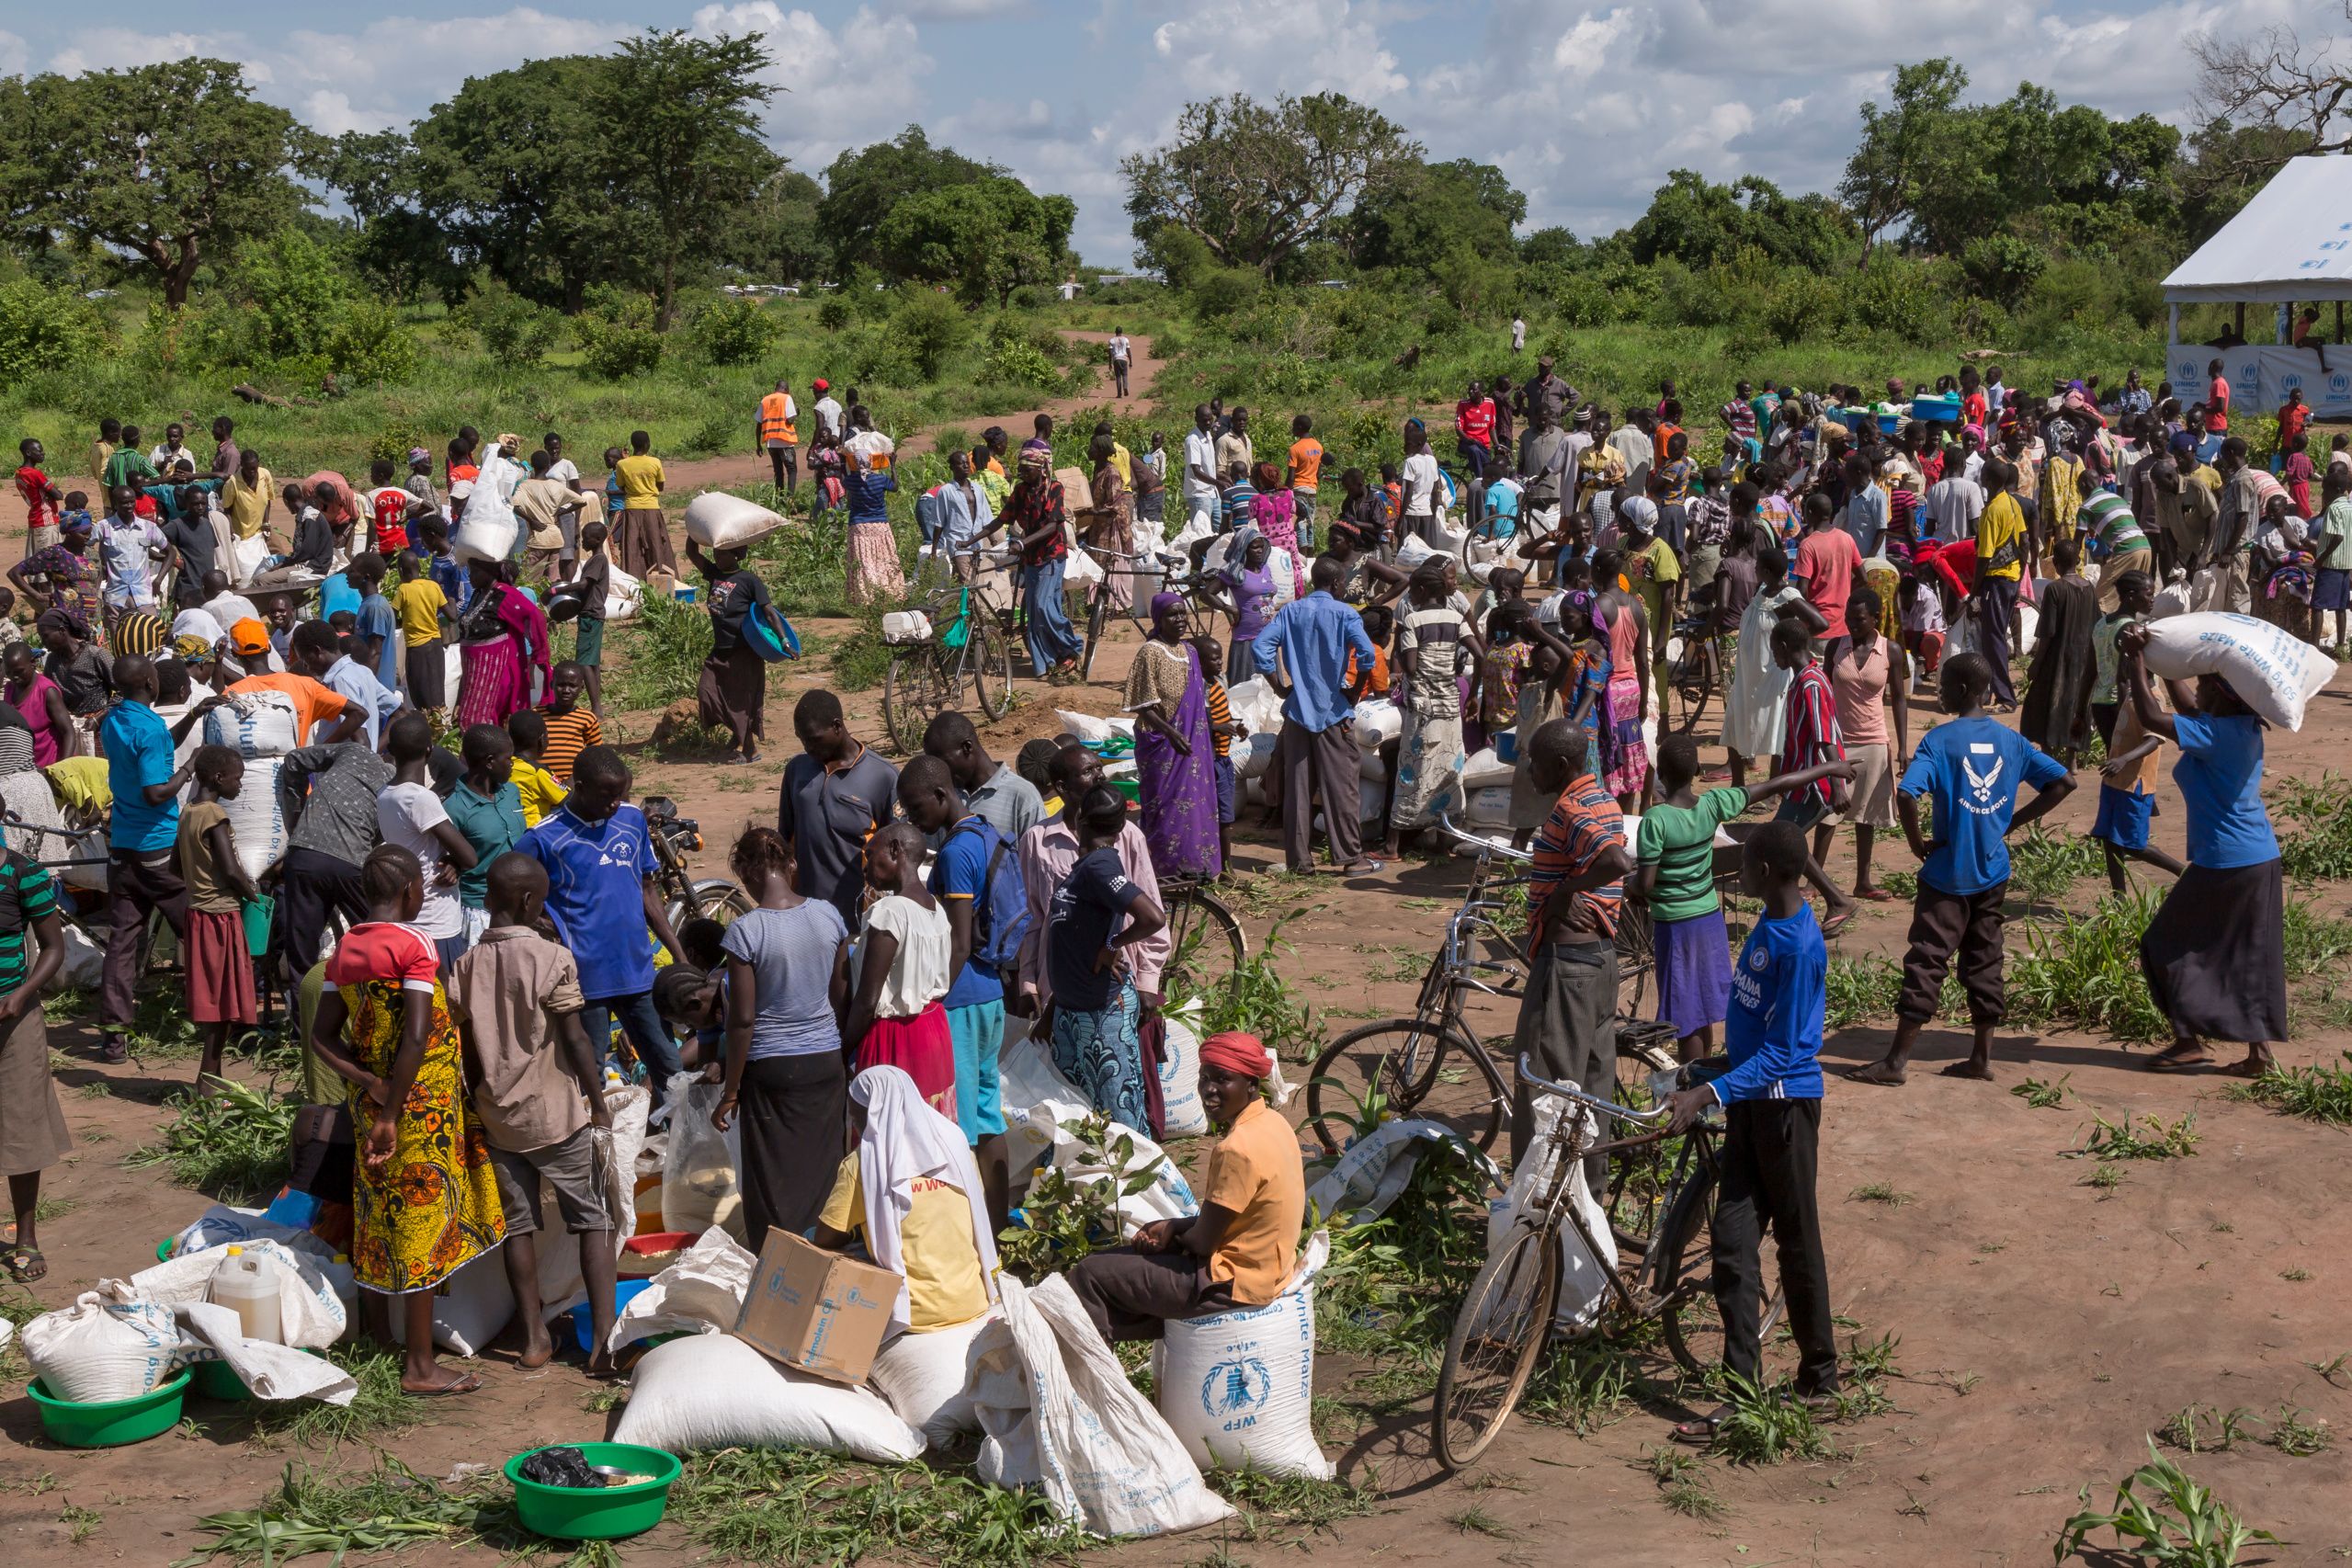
107,1345
716,520
1368,1176
1484,770
698,1185
1182,1114
1049,1126
254,724
926,1378
1086,726
1488,808
1255,703
1254,755
2273,671
1027,1078
624,596
1060,1415
269,1371
712,1391
310,1311
1239,1387
1411,551
560,1284
471,1308
1378,721
256,819
702,1292
1582,1280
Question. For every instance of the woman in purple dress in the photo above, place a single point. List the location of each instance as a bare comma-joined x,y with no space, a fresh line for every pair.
1176,763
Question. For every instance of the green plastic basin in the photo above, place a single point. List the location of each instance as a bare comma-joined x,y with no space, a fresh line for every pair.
164,1249
110,1424
597,1512
215,1379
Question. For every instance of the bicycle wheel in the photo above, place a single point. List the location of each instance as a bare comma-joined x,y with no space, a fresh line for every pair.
989,652
1206,944
1498,1335
1097,612
1635,957
1415,1067
1684,1264
914,691
715,899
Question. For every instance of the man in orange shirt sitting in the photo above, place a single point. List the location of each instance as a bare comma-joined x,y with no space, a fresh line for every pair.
1240,1249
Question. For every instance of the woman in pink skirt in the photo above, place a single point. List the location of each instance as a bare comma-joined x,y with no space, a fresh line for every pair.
900,972
502,639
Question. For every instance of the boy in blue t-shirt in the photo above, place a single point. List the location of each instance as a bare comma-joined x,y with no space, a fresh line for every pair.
1972,768
1771,1100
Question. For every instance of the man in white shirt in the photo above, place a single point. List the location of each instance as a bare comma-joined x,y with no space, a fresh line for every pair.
828,411
1632,444
1420,477
1202,490
224,603
1121,354
1953,504
168,456
1518,334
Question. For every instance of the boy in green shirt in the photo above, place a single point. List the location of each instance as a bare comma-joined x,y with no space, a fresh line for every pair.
1675,858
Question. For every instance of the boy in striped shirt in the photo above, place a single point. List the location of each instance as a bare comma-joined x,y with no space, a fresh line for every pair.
2117,542
571,729
1810,739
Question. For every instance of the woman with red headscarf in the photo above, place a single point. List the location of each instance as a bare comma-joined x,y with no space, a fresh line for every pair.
1240,1249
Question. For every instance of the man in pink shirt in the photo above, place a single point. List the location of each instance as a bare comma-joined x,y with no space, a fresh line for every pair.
1045,853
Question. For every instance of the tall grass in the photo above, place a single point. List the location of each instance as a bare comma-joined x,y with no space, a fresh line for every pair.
2083,970
232,1142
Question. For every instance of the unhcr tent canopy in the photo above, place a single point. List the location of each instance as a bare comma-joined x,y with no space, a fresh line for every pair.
2292,242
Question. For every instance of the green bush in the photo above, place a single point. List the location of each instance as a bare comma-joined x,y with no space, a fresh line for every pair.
368,343
2003,267
514,330
1225,290
931,327
295,291
616,335
44,329
1013,359
835,314
729,330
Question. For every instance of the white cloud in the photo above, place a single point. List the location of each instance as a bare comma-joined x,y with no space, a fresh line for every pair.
15,53
844,88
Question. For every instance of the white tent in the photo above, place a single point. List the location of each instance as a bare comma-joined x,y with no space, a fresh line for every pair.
2292,244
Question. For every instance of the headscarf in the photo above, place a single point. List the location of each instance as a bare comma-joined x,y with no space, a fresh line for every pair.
62,620
1237,1051
1641,512
189,646
1164,603
141,632
1035,460
905,1140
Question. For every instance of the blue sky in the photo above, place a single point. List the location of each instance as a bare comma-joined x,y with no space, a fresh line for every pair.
1586,107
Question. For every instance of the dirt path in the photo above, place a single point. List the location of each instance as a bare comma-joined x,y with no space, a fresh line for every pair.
752,468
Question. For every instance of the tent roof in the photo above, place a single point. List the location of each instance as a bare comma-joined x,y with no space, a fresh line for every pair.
2293,241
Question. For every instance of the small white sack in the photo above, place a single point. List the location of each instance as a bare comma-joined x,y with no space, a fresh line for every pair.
1026,1077
1182,1116
471,1308
906,626
269,1371
713,1391
702,1292
311,1313
487,532
1484,770
1582,1280
700,1187
1060,1415
1378,721
2273,671
1238,1387
1368,1176
109,1344
1254,755
1080,569
716,520
926,1378
1086,726
1411,551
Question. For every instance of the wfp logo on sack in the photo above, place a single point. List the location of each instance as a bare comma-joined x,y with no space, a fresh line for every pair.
1235,1392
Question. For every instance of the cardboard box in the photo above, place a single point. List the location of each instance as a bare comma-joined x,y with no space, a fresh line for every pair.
816,1311
1077,491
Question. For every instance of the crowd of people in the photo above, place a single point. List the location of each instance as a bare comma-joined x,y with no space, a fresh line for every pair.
501,922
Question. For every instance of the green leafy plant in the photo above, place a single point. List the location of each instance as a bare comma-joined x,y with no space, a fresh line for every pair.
1258,1001
2315,820
1066,1218
1682,1483
1765,1424
2203,1428
2152,1139
385,1509
797,1506
2040,1094
231,1143
617,336
2163,1517
1859,990
1880,1192
2044,865
2299,1438
2084,970
2321,1093
730,329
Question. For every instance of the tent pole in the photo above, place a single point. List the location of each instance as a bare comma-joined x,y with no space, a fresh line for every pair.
2238,323
2172,328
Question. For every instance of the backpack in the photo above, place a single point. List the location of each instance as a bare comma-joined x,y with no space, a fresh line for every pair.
1001,920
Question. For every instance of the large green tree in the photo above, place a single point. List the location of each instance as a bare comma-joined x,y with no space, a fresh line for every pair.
512,169
1905,146
1256,181
680,123
773,235
862,188
172,164
1428,212
1697,223
986,238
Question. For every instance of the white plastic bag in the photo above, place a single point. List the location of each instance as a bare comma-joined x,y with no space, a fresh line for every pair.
1182,1116
1255,703
269,1371
716,520
1085,726
712,1391
2273,671
1051,1124
702,1292
471,1308
1238,1387
926,1378
1060,1415
109,1344
699,1184
1080,569
1026,1076
1583,1280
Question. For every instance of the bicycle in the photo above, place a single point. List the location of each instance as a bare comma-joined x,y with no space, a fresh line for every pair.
1700,671
1208,948
1147,574
1507,1315
1405,1061
960,633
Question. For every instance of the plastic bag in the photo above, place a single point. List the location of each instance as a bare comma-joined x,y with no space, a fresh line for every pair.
699,1184
1368,1178
559,1467
702,1292
1583,1278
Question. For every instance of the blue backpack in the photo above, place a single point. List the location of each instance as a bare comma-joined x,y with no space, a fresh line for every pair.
1001,920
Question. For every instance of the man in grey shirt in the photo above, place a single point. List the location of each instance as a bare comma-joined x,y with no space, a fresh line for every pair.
835,794
1544,456
328,794
991,791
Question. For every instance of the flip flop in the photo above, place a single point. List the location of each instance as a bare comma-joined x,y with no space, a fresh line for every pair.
1876,895
2169,1063
1836,923
1698,1433
25,1264
467,1382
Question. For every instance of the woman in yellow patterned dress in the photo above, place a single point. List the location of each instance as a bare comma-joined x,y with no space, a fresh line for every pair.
425,1200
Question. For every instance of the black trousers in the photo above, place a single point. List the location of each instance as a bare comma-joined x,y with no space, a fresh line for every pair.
793,1111
1131,1295
138,882
1943,923
1323,761
786,462
1996,606
1771,1151
313,886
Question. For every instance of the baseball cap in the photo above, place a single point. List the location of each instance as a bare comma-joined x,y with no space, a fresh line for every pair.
820,384
249,636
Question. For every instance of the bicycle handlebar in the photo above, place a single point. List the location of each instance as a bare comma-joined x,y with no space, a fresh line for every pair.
1445,825
1527,1075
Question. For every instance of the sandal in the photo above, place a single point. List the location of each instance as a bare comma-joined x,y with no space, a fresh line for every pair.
1700,1434
464,1382
2168,1062
25,1264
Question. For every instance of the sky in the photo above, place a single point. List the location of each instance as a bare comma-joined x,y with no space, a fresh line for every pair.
1587,109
